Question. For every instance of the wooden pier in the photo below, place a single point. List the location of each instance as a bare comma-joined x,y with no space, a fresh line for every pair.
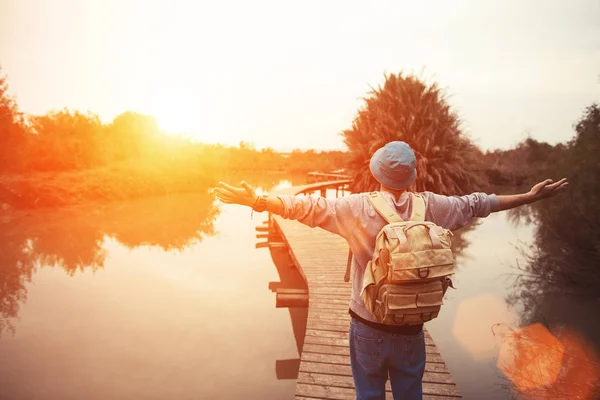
321,258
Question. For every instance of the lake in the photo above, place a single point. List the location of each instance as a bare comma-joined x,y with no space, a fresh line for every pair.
169,297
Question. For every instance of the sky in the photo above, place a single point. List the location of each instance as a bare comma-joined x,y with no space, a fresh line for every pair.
289,75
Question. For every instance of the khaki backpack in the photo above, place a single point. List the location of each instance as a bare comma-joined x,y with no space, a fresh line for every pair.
405,281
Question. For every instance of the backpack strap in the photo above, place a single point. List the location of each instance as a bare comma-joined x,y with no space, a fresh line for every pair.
387,212
348,267
418,208
383,208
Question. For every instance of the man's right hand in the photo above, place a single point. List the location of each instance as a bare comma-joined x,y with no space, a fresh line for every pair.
244,195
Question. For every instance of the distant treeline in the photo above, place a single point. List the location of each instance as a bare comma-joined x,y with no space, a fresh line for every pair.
70,157
68,140
66,156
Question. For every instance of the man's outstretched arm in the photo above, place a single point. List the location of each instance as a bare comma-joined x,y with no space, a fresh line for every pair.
542,190
334,215
246,196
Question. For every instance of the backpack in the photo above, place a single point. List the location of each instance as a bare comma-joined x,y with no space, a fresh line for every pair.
409,273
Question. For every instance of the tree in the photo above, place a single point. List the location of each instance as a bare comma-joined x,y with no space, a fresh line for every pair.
130,135
13,136
407,109
65,140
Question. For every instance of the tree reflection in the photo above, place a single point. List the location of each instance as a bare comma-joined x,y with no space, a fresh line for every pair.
559,282
171,223
16,269
72,238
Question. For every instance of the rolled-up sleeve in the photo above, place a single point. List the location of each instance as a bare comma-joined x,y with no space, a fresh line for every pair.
453,212
334,215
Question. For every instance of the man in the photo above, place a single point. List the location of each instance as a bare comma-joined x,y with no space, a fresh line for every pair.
379,350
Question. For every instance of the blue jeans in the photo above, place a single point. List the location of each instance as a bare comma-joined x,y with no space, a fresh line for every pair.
375,354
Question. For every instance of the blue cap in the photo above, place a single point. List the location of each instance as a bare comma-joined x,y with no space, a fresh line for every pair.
394,165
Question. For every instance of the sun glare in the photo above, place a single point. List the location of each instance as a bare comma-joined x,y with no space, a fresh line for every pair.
175,122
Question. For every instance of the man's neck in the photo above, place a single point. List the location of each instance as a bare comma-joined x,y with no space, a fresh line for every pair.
394,192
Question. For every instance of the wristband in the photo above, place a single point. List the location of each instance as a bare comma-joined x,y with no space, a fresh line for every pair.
260,204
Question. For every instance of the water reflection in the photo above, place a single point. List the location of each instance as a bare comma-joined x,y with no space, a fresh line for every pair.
72,238
557,289
289,278
137,301
267,182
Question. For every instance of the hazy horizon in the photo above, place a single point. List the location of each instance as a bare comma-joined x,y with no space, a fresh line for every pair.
288,77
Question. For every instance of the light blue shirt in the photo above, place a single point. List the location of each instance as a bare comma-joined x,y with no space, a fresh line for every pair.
354,218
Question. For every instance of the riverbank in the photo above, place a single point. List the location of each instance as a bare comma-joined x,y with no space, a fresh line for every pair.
117,182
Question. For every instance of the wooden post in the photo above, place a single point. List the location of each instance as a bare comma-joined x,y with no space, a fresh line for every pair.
323,192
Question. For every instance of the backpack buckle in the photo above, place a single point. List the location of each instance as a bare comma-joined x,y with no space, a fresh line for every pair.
420,272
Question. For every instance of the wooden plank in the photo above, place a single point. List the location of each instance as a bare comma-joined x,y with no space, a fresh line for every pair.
326,317
338,291
324,296
326,341
292,291
328,326
336,325
320,302
325,392
320,308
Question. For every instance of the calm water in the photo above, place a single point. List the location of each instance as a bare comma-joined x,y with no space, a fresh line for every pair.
169,298
464,330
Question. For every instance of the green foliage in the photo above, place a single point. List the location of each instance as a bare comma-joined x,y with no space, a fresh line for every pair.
129,135
514,167
569,231
119,181
311,160
63,140
407,109
12,129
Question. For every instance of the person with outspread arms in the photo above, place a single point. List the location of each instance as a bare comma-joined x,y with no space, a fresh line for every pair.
400,348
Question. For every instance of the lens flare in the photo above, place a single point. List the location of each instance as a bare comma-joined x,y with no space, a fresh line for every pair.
546,365
475,318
